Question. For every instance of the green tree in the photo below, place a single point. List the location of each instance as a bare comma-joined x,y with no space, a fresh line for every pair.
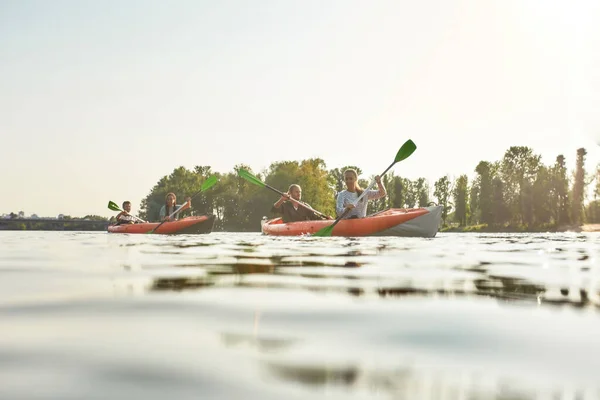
245,203
399,194
461,201
542,197
411,193
316,190
527,206
421,189
474,215
486,193
442,193
578,187
560,183
519,168
500,211
593,210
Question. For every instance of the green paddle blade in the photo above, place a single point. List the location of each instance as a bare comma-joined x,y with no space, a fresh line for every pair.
208,183
113,206
327,231
250,178
405,151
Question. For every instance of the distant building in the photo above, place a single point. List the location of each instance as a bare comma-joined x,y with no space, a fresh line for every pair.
61,216
34,216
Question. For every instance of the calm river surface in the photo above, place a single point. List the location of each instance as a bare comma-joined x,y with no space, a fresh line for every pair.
88,315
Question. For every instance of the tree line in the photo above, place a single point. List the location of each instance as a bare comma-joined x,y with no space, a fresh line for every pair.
517,192
522,193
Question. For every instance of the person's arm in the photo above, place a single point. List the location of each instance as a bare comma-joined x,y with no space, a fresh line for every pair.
281,200
276,209
376,194
340,207
182,207
163,213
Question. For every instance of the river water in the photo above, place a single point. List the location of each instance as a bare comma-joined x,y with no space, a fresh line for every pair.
88,315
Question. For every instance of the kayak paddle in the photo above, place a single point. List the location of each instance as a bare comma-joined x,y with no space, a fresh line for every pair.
205,186
113,206
253,179
405,151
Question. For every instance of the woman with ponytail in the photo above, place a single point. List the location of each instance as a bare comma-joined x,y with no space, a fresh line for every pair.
347,198
171,206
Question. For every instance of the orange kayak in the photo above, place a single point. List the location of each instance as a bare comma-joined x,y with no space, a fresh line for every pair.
416,222
189,226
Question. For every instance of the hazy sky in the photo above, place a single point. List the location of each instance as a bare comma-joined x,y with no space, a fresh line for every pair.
99,100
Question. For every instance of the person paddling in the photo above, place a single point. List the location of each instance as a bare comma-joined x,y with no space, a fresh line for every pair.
347,198
171,205
290,210
125,217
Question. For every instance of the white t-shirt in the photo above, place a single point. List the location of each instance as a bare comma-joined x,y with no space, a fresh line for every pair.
345,197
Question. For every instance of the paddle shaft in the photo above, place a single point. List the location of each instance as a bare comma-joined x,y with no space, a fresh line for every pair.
297,201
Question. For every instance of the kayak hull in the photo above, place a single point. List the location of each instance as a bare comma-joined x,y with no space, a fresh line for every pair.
411,222
426,225
185,226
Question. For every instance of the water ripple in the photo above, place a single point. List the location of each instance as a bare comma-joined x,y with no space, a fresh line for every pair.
230,315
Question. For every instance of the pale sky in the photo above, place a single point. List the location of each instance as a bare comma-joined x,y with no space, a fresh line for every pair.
99,100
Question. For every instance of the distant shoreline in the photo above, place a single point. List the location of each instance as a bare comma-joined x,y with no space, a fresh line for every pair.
52,225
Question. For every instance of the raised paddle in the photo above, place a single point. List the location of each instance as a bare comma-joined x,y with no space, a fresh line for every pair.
113,206
253,179
205,186
405,151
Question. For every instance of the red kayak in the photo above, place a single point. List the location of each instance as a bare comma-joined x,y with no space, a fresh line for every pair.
184,226
416,222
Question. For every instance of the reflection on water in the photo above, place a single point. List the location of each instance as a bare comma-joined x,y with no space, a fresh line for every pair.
386,271
460,316
315,375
